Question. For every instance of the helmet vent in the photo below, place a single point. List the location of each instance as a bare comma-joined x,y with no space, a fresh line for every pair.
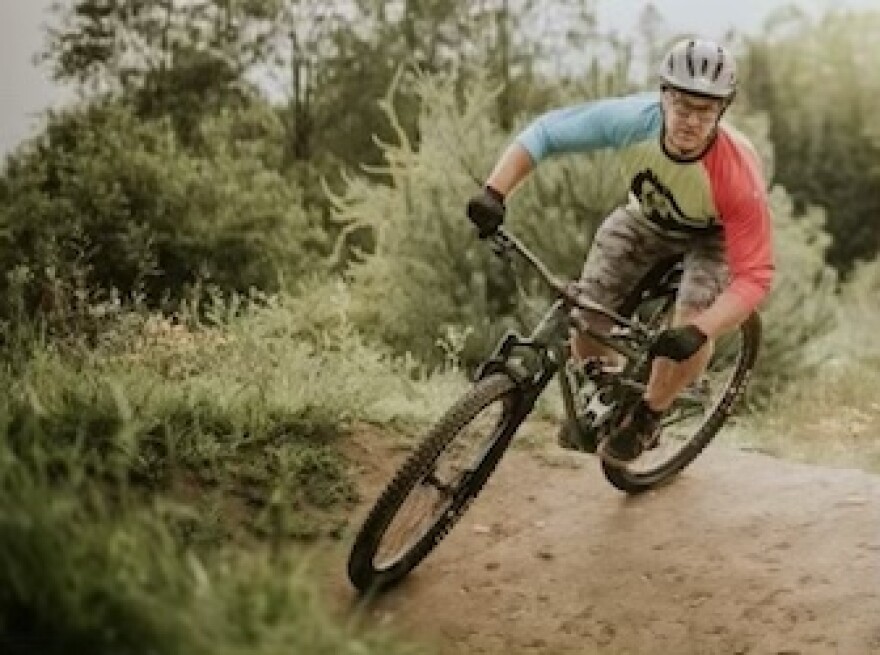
689,58
720,65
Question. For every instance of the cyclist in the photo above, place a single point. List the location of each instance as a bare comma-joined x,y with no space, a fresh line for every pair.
695,189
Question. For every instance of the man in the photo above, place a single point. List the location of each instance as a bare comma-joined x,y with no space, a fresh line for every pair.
695,188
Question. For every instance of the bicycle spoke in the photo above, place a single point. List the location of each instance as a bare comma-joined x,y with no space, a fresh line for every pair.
434,494
439,485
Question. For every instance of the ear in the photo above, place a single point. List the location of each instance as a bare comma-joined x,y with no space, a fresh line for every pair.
664,98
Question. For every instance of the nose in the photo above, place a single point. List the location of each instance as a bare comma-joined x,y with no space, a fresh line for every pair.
693,118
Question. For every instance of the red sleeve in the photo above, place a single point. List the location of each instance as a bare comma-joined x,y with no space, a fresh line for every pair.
741,201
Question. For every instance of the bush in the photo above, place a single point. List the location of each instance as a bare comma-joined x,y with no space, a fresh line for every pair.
801,306
252,402
853,341
104,201
427,274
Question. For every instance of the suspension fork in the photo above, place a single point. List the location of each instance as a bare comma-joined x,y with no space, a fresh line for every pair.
530,361
530,386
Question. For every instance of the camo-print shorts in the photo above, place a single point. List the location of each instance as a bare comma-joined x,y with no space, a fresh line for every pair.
626,246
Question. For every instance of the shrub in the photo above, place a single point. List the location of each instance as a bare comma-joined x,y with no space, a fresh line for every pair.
427,273
104,201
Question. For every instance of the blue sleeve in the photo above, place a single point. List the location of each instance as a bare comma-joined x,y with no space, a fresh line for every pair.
607,123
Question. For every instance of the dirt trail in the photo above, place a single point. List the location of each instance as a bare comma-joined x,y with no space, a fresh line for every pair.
742,554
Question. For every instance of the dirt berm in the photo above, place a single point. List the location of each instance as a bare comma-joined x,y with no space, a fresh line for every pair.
743,553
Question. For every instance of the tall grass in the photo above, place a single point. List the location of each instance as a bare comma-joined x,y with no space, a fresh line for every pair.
76,581
151,484
831,415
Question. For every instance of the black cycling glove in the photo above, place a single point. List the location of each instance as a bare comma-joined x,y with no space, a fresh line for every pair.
679,343
486,210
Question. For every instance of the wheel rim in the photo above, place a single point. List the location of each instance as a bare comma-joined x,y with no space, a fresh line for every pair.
434,493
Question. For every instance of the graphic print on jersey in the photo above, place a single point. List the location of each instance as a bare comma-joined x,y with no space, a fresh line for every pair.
658,204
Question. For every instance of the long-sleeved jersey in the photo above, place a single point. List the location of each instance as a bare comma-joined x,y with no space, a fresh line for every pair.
721,189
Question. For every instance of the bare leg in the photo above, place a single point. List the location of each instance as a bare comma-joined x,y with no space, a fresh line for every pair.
584,346
669,378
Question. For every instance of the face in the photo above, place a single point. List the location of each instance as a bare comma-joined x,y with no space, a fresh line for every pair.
690,121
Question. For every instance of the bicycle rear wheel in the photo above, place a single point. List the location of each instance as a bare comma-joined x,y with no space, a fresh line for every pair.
698,413
435,484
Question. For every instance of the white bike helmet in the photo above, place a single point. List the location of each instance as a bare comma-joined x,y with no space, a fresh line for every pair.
700,66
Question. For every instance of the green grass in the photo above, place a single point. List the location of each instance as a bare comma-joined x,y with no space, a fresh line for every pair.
834,420
153,485
830,414
157,487
77,580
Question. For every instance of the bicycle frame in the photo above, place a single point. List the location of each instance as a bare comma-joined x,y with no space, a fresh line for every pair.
514,376
533,361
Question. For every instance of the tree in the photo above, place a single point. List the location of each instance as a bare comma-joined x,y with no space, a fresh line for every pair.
654,34
106,201
818,84
182,58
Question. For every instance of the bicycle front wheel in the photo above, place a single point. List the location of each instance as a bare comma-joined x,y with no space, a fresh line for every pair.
697,415
435,484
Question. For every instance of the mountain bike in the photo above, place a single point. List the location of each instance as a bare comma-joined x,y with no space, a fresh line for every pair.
441,477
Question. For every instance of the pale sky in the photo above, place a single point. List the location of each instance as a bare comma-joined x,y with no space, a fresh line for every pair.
26,91
713,18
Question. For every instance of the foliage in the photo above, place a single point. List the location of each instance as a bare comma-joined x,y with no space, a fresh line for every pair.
77,578
801,305
818,83
425,245
104,201
168,58
854,341
237,401
129,471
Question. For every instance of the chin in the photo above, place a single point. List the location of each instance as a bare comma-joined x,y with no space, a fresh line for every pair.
687,149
